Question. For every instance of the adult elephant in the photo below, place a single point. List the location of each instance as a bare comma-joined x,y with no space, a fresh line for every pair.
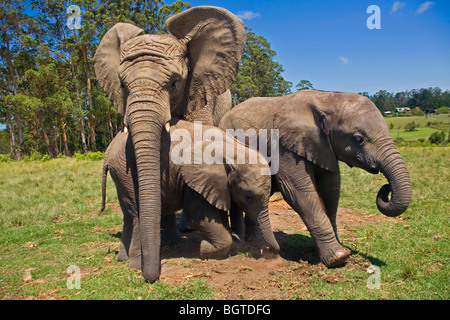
150,78
316,129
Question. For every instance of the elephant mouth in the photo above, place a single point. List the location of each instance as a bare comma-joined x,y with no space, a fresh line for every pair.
373,171
370,170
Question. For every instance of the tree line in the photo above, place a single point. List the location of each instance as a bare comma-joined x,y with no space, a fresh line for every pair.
51,102
428,100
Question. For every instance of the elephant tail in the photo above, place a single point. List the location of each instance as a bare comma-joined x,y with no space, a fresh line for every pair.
104,178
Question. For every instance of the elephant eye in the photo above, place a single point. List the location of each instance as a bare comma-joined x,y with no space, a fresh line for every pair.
359,139
175,84
249,198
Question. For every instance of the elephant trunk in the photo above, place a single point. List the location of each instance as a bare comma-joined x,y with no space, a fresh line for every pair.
146,121
394,169
266,230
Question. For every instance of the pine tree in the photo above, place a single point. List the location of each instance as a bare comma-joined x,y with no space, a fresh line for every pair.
259,74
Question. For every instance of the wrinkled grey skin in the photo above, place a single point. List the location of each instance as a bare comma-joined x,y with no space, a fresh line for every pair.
152,78
206,193
317,129
211,114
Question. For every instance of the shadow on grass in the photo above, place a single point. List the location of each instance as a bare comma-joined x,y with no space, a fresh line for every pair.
296,247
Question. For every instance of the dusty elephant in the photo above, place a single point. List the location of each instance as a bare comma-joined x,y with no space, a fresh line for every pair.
316,130
205,191
151,78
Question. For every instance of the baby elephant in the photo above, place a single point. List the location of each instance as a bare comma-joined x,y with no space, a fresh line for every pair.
206,191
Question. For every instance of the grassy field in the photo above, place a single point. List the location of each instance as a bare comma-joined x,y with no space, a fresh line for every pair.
50,220
425,126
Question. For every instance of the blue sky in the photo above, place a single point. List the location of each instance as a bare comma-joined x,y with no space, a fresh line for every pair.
328,43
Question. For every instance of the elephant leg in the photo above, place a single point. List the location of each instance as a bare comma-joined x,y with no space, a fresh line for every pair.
130,242
251,229
184,227
129,214
207,219
297,184
135,254
237,222
169,227
237,227
125,239
329,188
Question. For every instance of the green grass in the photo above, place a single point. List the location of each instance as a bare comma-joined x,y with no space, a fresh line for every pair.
416,134
435,121
50,219
412,253
425,126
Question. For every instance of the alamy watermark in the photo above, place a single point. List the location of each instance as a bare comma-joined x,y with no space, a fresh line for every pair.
374,21
214,146
74,280
374,281
74,20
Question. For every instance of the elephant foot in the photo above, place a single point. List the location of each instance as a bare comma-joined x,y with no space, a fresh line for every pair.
237,243
210,251
134,257
334,257
135,263
123,254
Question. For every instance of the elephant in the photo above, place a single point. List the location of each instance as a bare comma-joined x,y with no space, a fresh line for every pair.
205,191
316,129
151,79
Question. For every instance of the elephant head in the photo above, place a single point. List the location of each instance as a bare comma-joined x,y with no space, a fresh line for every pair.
149,78
227,180
325,127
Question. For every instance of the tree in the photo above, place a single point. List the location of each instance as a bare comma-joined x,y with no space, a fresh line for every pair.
259,75
400,98
304,85
383,100
13,23
148,15
422,98
52,17
410,126
437,137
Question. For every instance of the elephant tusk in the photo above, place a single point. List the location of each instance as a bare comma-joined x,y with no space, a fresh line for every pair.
125,130
167,126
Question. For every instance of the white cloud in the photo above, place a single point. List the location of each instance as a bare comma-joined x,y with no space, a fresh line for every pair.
397,6
425,6
248,15
344,60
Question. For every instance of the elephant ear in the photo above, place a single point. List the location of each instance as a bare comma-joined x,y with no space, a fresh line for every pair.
209,180
215,41
107,62
305,130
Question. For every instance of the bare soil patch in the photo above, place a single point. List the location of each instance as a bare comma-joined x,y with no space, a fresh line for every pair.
249,273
